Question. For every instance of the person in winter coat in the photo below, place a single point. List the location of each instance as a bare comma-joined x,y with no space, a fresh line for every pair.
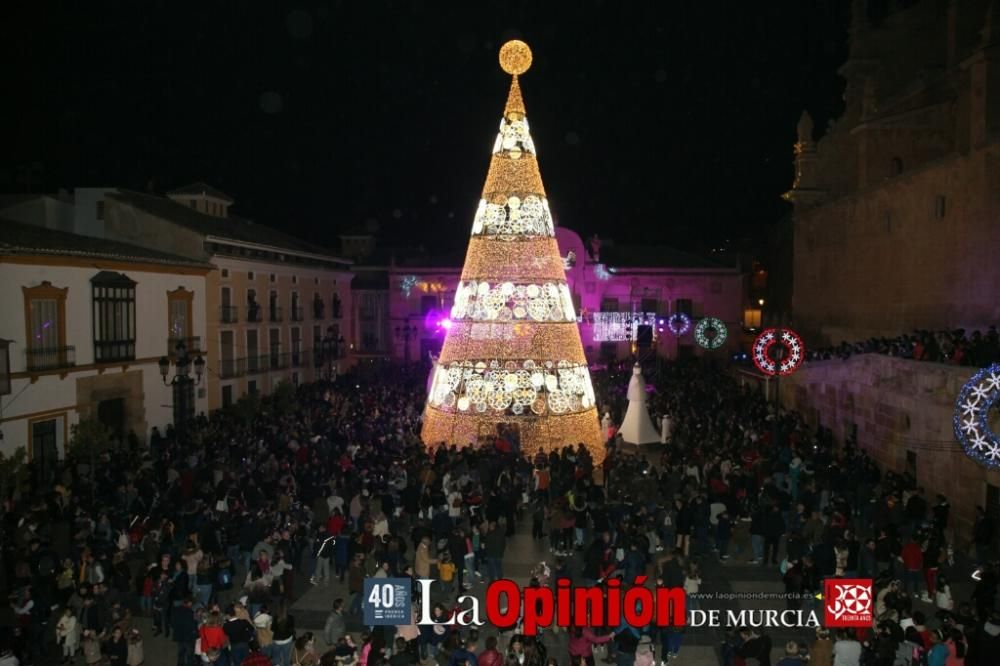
335,626
581,645
68,635
117,648
91,648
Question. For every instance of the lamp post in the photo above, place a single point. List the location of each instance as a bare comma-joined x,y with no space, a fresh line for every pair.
182,383
404,333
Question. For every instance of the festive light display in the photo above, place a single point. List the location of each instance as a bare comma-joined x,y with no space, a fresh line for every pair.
620,326
972,429
710,333
407,283
768,339
601,272
512,356
679,324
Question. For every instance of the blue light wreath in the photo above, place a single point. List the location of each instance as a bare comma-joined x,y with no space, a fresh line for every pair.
972,430
679,324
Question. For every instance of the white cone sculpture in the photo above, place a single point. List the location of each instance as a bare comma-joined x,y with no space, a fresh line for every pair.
637,428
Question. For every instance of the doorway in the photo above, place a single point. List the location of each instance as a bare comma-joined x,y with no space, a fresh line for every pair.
111,413
45,449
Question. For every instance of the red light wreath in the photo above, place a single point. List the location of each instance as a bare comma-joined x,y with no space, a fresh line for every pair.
763,349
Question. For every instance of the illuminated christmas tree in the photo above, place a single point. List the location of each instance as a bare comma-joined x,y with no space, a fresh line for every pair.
512,360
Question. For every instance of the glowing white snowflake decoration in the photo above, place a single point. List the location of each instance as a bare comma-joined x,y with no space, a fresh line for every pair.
771,339
710,333
972,407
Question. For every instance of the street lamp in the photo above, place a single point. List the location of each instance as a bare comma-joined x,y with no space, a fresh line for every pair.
404,333
182,382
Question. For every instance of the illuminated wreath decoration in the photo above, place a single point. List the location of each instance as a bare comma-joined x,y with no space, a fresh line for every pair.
710,324
679,324
770,337
975,399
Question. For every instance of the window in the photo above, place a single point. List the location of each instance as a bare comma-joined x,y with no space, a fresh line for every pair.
194,203
45,323
609,304
252,386
939,206
250,275
227,395
428,303
179,315
683,306
896,166
650,305
225,272
4,367
315,280
273,278
295,279
100,209
887,222
114,317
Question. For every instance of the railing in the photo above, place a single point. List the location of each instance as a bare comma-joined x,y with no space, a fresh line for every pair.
191,344
109,351
275,314
297,313
256,364
301,359
232,367
319,310
229,314
278,360
51,358
255,313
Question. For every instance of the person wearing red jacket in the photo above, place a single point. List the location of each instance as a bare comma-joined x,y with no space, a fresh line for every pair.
490,656
912,557
581,645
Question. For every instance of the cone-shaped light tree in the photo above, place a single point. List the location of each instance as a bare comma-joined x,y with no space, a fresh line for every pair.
512,359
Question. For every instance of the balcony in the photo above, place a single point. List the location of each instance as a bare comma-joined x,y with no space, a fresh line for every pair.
297,314
51,358
110,351
300,359
232,367
255,313
191,344
278,360
275,315
229,314
319,310
256,364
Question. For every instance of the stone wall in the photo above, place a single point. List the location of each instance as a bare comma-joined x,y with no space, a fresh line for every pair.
898,407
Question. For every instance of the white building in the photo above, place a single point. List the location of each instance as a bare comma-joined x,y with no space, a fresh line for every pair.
86,322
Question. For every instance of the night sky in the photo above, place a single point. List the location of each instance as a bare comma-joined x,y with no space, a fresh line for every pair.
663,121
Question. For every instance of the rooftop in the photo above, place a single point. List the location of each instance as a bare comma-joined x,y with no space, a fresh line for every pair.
27,239
203,189
232,228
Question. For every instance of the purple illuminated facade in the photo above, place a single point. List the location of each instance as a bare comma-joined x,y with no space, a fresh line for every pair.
603,278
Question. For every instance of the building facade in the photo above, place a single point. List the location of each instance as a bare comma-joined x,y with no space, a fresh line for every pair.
87,322
895,207
613,280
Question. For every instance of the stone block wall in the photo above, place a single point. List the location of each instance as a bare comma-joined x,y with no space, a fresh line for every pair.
897,406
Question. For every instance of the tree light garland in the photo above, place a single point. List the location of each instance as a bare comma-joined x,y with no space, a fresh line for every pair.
972,429
767,340
701,333
513,354
679,324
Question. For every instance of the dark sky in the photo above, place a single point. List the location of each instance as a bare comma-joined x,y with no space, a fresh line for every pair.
667,121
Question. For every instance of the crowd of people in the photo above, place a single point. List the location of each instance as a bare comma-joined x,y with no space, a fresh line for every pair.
211,532
954,347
